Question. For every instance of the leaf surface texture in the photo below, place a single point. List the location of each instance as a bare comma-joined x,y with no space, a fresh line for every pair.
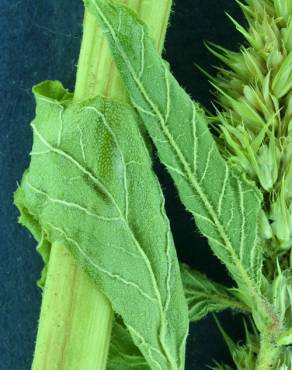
224,205
123,354
90,186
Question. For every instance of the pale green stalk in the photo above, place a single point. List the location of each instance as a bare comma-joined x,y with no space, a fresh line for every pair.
76,319
268,354
97,73
75,322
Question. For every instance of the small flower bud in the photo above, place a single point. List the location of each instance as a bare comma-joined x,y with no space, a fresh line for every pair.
265,230
281,216
268,165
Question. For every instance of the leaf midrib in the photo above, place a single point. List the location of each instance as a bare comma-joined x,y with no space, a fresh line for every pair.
250,284
163,323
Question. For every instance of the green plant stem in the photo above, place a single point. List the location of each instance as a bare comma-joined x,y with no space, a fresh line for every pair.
73,315
268,355
98,74
76,319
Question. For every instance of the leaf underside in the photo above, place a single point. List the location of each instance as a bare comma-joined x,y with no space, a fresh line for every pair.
90,186
123,354
225,206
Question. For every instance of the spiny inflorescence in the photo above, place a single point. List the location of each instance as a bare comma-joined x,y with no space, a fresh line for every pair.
254,92
254,121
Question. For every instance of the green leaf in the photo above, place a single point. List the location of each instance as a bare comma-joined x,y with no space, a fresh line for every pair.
224,205
282,83
90,187
285,339
204,295
123,354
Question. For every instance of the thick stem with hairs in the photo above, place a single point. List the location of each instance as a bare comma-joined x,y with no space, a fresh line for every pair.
268,354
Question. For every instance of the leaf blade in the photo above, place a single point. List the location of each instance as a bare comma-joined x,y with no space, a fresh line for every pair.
214,193
94,193
123,354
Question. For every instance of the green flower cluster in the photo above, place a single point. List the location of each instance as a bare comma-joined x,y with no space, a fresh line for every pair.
254,119
255,94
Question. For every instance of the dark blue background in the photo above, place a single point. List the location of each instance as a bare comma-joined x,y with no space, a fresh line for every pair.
40,40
